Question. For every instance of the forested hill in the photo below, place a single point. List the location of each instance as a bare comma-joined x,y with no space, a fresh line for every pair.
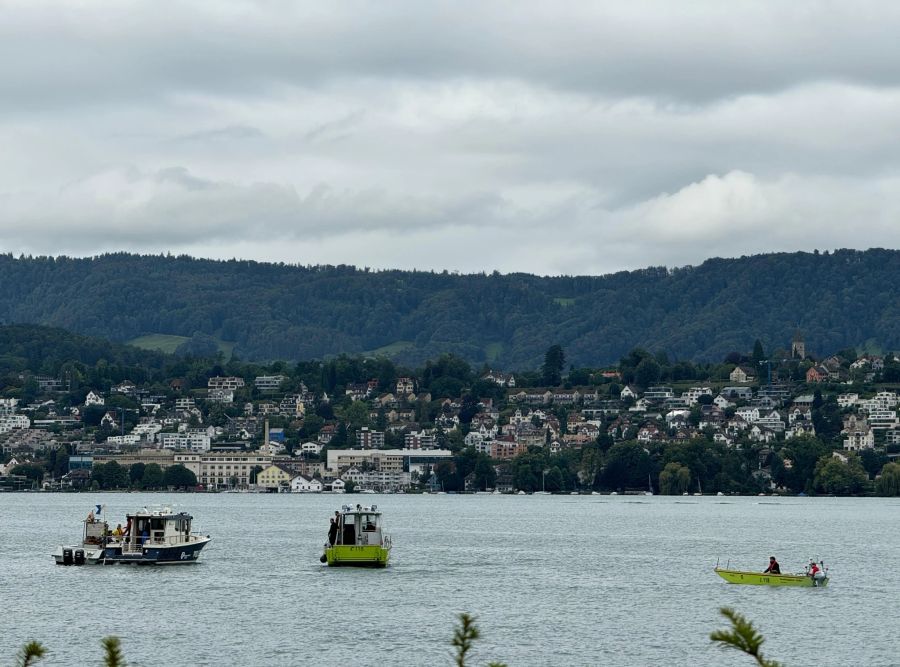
274,311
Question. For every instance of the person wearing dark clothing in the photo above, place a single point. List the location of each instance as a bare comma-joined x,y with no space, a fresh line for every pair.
774,567
332,532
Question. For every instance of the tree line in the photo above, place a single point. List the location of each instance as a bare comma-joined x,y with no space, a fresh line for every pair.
279,311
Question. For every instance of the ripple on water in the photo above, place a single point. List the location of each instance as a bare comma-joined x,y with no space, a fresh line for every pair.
553,580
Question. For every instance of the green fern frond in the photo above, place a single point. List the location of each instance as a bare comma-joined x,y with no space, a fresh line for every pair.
463,637
742,636
30,654
113,648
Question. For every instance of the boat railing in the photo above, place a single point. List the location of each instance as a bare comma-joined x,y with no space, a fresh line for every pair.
137,544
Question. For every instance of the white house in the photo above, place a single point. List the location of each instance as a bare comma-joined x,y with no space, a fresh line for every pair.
94,399
271,448
859,434
301,484
311,448
722,402
847,400
741,374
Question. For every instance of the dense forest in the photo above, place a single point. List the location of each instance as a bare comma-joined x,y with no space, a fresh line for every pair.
277,311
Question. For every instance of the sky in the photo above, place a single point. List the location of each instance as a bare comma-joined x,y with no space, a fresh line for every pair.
543,137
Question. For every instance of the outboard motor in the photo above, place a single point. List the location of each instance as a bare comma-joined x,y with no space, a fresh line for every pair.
79,557
67,557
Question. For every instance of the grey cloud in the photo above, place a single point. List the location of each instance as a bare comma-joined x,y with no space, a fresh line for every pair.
221,135
517,136
114,54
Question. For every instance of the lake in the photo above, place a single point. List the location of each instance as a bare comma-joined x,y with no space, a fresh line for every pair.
553,580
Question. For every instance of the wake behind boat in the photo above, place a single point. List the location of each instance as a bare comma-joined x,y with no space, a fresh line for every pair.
157,536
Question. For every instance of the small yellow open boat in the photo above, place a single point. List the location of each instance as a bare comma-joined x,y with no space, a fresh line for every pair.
766,579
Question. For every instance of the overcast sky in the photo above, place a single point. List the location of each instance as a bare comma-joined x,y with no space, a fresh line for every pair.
545,137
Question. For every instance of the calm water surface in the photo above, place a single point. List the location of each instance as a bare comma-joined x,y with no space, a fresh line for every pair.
561,580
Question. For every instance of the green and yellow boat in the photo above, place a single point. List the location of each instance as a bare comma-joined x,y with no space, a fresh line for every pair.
766,579
359,540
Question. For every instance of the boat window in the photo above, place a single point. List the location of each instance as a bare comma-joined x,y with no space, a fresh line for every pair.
368,522
348,535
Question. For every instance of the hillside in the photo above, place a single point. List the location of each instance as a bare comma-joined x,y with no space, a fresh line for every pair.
277,311
56,353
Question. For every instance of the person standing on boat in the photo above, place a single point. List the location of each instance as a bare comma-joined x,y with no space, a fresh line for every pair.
332,532
774,567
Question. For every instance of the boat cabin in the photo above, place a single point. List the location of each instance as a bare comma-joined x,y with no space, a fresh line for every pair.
359,526
158,527
95,530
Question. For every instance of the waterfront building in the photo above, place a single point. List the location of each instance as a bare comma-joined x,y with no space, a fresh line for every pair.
162,458
301,484
273,478
215,469
385,459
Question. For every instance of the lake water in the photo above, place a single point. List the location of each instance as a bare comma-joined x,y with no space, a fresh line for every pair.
553,580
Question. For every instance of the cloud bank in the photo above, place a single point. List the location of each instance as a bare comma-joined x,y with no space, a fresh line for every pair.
515,136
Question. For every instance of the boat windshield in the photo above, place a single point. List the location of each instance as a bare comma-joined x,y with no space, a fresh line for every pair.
369,522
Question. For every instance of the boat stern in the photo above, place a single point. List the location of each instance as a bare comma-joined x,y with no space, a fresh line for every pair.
357,556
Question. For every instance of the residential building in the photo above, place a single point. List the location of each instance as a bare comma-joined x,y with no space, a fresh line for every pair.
405,385
191,441
658,394
859,435
269,383
419,440
816,374
742,374
93,399
369,439
227,383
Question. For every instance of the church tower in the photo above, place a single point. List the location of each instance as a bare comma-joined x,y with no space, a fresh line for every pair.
798,347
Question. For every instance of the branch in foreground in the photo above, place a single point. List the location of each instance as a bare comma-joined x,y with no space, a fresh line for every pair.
742,636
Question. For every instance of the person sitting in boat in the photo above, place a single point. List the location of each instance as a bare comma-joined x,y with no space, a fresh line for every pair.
813,569
118,532
90,517
774,567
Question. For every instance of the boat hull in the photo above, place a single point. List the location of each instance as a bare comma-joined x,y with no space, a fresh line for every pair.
176,554
765,579
372,555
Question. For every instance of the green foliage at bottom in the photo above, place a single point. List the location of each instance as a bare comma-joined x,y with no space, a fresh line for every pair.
34,651
741,636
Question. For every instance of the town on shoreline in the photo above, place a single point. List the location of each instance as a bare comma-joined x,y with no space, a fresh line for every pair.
783,422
